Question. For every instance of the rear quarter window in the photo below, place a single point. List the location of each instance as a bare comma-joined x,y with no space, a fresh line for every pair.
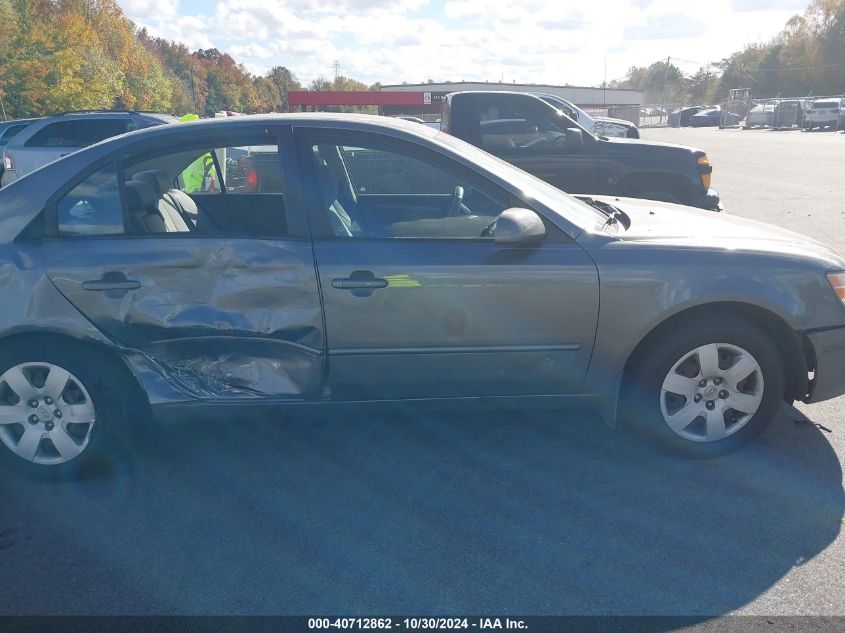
52,135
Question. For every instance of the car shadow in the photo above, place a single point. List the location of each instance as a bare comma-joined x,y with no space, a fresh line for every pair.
405,511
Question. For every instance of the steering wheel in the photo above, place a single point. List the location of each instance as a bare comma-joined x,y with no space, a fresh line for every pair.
457,207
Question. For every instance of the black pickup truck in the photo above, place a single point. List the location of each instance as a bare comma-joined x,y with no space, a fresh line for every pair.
524,130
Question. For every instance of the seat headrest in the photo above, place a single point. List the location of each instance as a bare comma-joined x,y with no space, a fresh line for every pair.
140,196
155,178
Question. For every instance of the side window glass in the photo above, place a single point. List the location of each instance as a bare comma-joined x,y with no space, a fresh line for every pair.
90,131
518,131
12,131
92,207
180,191
376,192
52,135
246,169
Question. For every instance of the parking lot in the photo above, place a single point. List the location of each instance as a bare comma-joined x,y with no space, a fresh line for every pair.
448,512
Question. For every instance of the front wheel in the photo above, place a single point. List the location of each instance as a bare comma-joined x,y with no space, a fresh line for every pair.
707,388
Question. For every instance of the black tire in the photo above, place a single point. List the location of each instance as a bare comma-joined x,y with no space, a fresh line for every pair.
640,406
116,398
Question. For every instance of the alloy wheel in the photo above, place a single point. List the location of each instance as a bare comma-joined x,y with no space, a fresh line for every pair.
46,413
711,392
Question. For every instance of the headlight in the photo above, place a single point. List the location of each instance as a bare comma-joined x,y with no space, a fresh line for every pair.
837,282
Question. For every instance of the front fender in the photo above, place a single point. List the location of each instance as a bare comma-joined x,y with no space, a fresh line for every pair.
641,289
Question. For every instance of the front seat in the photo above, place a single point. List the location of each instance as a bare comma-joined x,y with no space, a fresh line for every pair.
340,220
177,202
142,204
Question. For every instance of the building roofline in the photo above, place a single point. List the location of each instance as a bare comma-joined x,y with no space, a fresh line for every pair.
497,83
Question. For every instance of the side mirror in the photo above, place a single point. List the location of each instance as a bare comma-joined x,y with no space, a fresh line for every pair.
574,139
515,226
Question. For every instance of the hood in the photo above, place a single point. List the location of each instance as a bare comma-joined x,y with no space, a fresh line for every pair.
607,119
629,145
662,223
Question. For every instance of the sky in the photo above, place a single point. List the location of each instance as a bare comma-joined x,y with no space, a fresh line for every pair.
522,41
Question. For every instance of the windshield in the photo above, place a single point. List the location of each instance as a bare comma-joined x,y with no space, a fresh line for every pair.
570,109
571,209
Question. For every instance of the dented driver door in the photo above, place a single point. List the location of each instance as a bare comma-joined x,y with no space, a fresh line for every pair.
224,314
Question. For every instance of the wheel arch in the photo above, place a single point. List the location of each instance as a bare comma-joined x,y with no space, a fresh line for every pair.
83,343
789,345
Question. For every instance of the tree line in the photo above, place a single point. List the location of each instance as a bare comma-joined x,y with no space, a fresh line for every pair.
806,58
60,55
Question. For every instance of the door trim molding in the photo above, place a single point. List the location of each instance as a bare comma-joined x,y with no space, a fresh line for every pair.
453,349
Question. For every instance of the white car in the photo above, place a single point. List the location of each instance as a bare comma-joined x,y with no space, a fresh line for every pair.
600,126
51,138
760,115
824,112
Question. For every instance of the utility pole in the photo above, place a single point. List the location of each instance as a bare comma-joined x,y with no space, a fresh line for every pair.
3,108
336,69
604,84
666,79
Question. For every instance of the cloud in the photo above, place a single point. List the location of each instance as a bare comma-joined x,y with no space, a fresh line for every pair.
147,9
571,22
390,41
768,5
666,26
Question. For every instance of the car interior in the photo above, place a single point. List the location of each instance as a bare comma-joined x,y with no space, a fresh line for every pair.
157,200
371,193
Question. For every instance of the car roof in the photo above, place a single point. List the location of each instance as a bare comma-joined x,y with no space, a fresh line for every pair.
24,198
20,139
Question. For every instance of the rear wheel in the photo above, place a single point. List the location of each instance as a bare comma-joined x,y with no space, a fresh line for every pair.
59,407
706,389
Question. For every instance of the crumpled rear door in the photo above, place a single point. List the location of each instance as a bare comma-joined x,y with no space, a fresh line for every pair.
223,317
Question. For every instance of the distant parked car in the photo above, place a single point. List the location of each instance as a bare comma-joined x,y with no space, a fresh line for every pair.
713,117
824,112
761,115
599,125
789,113
50,138
8,129
681,117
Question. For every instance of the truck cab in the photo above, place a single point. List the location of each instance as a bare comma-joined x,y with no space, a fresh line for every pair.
526,131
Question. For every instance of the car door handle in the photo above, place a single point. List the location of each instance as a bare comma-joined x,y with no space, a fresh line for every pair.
111,282
361,283
350,283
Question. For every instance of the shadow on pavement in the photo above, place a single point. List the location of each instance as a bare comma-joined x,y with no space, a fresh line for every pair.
405,512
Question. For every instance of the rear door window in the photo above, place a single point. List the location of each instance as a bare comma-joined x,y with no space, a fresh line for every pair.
92,207
244,169
53,135
79,132
90,131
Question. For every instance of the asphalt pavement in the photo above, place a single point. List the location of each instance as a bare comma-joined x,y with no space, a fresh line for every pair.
403,511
